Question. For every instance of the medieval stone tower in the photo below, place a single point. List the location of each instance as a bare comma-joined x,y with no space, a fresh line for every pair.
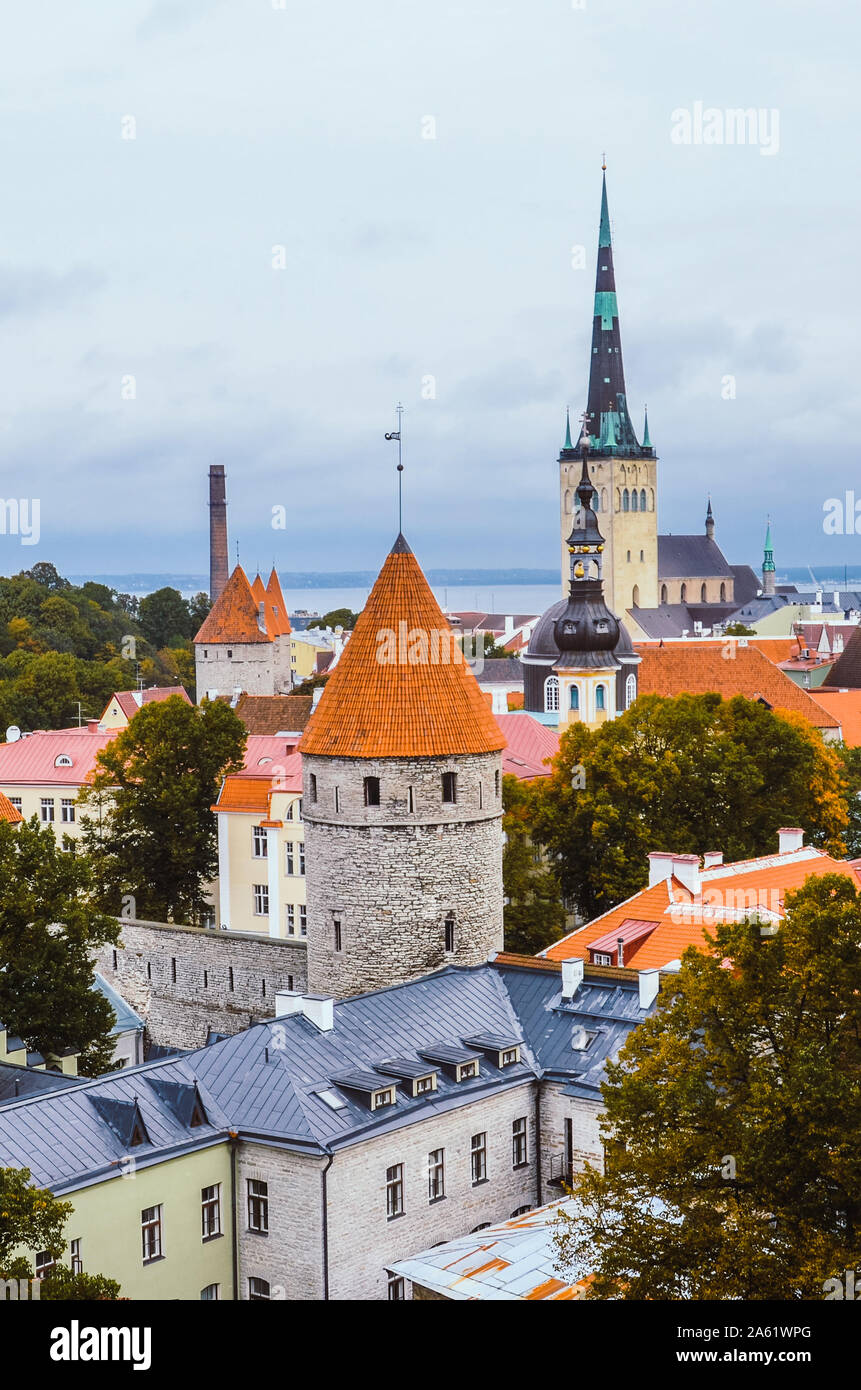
402,799
622,470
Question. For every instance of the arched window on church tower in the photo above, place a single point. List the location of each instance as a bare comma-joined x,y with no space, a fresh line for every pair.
651,499
664,596
630,690
642,499
551,694
575,698
723,593
634,501
567,500
703,598
635,596
626,501
600,697
683,596
603,499
618,500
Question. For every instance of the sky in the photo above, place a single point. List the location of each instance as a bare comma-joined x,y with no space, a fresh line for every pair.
240,231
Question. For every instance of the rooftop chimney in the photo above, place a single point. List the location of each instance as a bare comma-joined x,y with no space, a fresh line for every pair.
572,977
789,838
620,950
712,858
650,983
217,531
686,868
319,1009
660,867
92,726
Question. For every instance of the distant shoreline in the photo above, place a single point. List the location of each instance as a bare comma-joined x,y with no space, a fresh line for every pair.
322,579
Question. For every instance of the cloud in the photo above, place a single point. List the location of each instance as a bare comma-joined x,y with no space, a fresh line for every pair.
167,16
30,291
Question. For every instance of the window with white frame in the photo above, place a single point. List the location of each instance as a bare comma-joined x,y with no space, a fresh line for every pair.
47,809
395,1191
210,1211
551,694
261,900
43,1262
303,920
260,845
396,1289
76,1263
258,1207
258,1290
210,1293
290,857
603,958
291,919
478,1157
16,802
519,1143
630,690
152,1244
436,1175
67,810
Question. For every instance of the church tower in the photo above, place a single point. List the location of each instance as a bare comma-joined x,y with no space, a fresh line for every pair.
402,800
622,471
768,564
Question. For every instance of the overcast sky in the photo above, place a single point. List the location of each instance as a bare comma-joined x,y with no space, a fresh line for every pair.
408,258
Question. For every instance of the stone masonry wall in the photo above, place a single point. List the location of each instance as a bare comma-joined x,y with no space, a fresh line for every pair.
184,981
392,874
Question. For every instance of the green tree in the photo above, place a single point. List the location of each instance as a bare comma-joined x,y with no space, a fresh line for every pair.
733,1117
32,1218
738,630
151,833
534,915
198,608
339,617
50,928
164,617
685,774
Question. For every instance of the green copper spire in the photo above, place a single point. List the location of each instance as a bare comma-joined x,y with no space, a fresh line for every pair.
768,552
568,444
604,233
647,443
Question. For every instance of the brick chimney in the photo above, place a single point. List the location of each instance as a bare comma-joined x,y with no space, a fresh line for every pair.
789,838
217,531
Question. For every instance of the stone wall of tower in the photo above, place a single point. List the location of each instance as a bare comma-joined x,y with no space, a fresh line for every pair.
625,533
392,874
257,668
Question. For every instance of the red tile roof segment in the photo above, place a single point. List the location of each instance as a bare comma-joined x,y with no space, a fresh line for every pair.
399,689
528,746
234,615
678,669
8,812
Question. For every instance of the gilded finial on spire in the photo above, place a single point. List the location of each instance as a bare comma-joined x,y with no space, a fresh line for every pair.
604,160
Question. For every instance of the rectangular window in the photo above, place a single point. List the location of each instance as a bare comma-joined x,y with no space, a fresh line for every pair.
411,800
312,787
303,920
151,1234
337,934
480,795
230,977
337,799
299,809
47,808
478,1157
291,920
16,802
173,970
260,846
210,1293
301,848
372,791
601,958
467,1070
288,858
67,810
75,1261
210,1211
206,979
449,787
261,900
395,1191
496,781
258,1290
436,1175
509,1056
396,1289
382,1098
258,1207
449,935
44,1261
519,1154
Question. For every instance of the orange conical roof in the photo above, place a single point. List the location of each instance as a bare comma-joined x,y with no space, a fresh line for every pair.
275,601
233,616
401,688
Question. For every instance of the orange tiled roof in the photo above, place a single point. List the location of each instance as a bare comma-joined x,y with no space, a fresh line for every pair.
233,616
392,694
678,669
275,601
268,714
8,812
845,706
736,888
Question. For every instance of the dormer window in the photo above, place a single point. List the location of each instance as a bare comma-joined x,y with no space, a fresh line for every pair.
467,1070
383,1098
424,1084
62,760
509,1056
501,1050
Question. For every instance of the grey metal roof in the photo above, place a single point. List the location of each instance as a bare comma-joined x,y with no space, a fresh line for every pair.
500,670
691,557
127,1021
17,1081
746,584
408,1068
265,1081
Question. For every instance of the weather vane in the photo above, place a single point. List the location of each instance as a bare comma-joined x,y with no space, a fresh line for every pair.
396,434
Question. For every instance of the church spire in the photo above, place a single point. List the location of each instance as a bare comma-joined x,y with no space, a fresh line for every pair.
567,444
710,521
647,443
768,562
609,423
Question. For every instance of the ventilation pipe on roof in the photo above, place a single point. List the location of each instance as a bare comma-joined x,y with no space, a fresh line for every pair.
789,838
319,1009
712,858
572,977
620,951
92,726
649,982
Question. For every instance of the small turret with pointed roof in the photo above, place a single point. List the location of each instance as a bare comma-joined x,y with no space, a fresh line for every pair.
768,563
586,632
710,521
